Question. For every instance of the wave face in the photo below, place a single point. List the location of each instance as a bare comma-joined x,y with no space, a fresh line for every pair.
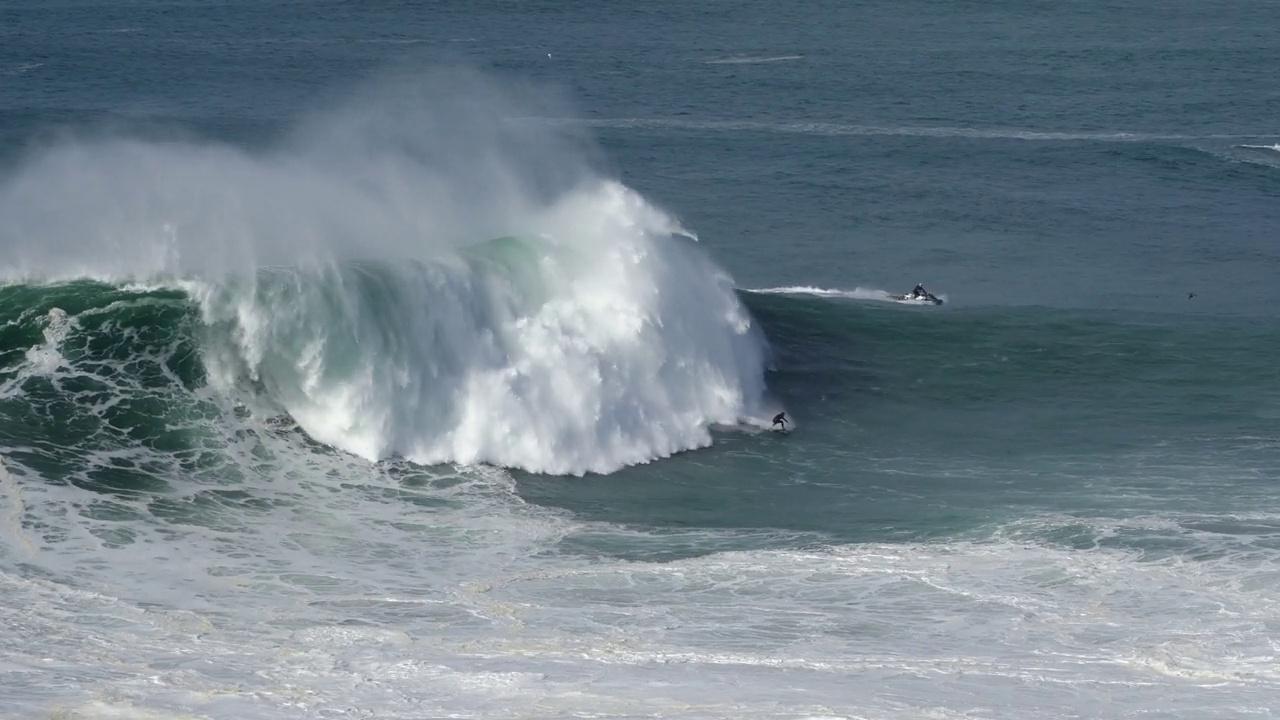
350,278
600,344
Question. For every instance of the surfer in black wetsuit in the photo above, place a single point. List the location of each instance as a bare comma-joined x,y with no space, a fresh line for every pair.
780,419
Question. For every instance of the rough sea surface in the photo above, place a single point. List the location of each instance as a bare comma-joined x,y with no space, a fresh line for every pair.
397,360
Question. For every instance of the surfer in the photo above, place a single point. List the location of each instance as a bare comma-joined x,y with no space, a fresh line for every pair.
919,291
780,419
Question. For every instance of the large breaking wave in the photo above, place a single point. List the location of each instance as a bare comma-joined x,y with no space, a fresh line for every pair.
417,275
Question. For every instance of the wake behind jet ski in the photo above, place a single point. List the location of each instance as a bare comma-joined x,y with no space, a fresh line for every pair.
919,295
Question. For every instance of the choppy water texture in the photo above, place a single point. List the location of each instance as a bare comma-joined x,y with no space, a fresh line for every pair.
379,361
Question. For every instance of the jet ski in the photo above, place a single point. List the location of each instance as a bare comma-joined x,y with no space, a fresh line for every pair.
918,296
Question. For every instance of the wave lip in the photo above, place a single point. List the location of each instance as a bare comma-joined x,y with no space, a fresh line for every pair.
856,293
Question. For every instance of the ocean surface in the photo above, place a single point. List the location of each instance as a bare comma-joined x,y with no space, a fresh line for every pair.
414,360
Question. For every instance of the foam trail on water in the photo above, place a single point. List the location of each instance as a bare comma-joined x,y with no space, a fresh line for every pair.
753,60
854,294
418,275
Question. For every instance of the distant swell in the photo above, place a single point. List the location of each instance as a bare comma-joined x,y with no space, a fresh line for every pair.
842,129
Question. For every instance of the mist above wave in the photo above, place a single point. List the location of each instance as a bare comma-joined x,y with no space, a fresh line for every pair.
408,166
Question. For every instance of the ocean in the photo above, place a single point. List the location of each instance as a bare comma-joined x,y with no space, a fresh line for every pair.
418,360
